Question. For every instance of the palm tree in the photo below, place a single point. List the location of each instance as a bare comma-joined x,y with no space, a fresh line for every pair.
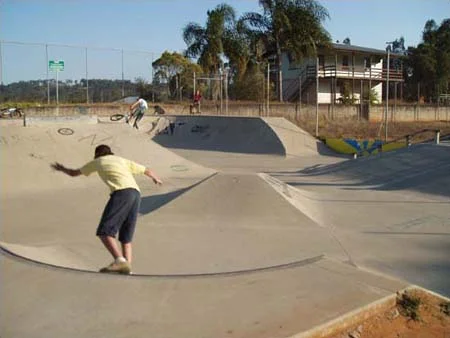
292,26
205,43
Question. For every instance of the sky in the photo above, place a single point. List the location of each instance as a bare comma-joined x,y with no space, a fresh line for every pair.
95,32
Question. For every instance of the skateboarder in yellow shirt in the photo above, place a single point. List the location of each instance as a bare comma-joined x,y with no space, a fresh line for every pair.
120,214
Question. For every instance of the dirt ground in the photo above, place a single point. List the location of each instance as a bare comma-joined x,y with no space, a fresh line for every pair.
364,130
417,315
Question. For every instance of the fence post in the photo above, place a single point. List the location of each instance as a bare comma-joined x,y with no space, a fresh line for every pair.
438,136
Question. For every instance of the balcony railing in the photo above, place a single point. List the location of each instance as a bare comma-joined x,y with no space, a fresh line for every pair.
355,73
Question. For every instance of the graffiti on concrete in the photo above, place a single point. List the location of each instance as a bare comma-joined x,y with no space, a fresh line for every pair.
365,147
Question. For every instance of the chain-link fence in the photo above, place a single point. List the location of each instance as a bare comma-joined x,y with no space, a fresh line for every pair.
51,73
43,72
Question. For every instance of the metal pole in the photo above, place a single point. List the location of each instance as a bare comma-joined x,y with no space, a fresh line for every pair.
57,94
263,97
226,92
387,98
87,81
48,80
418,93
123,83
300,96
1,64
268,88
300,89
317,97
395,100
361,97
193,94
152,66
221,92
281,85
181,88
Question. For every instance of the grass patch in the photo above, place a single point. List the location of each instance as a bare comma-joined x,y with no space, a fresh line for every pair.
445,308
409,306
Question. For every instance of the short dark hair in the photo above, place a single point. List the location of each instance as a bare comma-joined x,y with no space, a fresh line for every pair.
102,150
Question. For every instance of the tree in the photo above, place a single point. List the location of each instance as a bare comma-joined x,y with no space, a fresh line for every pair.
428,65
171,69
347,41
100,90
292,26
205,43
236,46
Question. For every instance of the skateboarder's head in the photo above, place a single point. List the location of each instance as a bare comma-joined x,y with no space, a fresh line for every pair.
102,150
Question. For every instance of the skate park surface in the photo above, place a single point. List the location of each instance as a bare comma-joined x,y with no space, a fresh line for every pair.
257,231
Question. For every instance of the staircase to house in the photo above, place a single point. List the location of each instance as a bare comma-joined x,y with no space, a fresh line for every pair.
292,88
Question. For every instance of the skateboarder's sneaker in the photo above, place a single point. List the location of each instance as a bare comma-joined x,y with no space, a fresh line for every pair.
117,267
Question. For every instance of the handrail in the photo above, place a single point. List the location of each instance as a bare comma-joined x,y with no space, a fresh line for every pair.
408,137
408,140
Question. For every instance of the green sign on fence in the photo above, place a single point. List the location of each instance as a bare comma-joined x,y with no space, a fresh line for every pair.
57,66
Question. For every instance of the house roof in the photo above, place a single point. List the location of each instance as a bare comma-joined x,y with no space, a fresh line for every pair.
360,50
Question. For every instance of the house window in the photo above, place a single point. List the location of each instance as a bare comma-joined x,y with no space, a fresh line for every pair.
367,62
345,61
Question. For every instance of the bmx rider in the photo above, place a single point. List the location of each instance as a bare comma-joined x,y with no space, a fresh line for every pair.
137,110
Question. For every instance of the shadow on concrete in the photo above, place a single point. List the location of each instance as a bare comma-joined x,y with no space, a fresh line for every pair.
422,168
225,134
434,270
154,202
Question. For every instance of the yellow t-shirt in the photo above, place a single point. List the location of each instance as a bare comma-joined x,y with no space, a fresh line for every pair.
115,171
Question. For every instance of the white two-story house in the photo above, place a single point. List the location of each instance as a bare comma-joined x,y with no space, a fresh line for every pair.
345,73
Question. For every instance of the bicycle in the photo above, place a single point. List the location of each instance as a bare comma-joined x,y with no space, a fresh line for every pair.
11,113
118,117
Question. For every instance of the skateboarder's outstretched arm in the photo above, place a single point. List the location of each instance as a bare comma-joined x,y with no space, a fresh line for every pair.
153,176
71,172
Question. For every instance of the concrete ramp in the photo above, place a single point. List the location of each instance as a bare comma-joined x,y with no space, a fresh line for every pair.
246,135
389,212
26,154
422,168
295,140
252,253
216,226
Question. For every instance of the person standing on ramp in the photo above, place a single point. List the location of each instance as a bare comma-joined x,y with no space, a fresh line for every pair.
121,211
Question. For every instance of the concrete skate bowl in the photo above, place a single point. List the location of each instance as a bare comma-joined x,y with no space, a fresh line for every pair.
422,168
45,212
243,135
214,228
389,211
200,222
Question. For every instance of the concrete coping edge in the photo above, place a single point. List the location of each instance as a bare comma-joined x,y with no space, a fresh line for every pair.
37,120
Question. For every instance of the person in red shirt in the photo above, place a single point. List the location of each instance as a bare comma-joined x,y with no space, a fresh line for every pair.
196,102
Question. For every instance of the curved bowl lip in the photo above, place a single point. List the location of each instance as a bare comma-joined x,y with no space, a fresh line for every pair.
289,265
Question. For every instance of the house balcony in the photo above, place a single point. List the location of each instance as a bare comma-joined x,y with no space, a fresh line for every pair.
355,73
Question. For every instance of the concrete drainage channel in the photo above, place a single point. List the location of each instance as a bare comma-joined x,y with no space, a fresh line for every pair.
346,322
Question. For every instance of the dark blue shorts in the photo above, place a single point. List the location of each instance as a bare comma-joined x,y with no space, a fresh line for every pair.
120,215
